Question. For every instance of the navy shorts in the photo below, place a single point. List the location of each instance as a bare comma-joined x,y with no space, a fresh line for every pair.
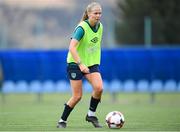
74,72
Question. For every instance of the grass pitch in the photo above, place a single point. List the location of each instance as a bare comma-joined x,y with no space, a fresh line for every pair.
23,112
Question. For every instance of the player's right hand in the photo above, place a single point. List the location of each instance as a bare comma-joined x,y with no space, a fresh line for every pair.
84,68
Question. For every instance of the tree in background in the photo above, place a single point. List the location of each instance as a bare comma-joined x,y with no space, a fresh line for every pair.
165,19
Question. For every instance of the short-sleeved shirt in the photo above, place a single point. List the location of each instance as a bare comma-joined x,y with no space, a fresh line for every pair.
79,31
89,46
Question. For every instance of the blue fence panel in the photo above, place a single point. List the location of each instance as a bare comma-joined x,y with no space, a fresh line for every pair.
53,65
33,65
126,64
123,64
165,64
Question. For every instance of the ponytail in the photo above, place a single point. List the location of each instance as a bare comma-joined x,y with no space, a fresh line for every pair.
85,16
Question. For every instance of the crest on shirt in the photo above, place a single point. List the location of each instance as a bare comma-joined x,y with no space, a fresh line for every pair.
94,40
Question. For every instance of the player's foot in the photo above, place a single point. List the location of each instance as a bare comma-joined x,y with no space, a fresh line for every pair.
94,121
61,125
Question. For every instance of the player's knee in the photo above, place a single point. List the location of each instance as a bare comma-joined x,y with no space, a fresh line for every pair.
77,98
98,89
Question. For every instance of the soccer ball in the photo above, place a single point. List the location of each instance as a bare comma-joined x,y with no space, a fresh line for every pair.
115,119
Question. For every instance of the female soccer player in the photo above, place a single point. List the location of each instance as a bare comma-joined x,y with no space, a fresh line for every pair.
83,61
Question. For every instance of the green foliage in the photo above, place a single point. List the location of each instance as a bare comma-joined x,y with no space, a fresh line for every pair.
165,18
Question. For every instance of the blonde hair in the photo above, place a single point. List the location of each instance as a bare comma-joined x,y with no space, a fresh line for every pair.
89,9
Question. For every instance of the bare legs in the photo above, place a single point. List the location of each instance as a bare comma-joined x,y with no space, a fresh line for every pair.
96,82
94,79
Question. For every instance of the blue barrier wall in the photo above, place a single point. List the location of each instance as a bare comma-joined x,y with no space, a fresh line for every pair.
33,65
122,64
140,63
